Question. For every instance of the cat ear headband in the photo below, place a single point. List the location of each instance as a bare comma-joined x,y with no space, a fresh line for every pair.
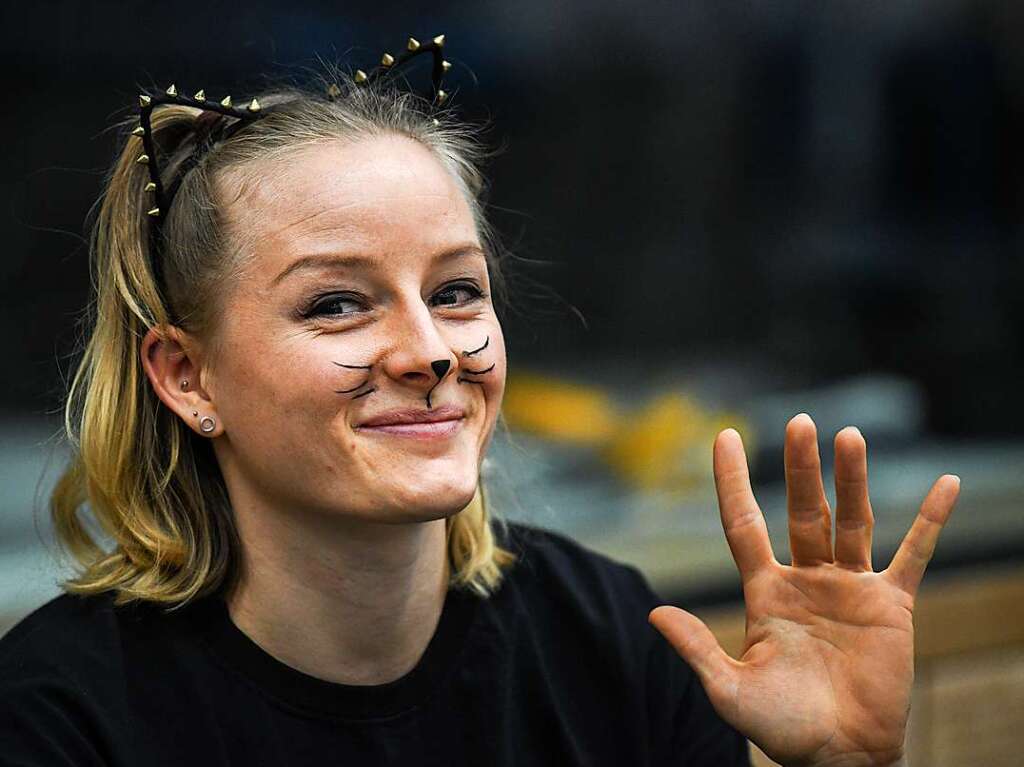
212,129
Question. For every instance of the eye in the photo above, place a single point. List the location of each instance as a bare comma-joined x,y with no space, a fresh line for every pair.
332,305
449,294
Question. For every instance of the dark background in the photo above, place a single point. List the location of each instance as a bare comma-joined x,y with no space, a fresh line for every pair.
817,189
740,209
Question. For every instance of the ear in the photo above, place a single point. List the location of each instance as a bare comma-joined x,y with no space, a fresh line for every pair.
173,363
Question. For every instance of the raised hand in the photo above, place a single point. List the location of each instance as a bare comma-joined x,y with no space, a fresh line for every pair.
826,673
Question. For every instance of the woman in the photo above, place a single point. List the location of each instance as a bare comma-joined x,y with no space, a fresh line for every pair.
294,373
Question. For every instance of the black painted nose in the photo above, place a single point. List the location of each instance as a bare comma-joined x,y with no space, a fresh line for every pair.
440,367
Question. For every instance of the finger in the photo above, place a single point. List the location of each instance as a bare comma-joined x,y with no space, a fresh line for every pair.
742,520
912,557
810,522
694,642
854,520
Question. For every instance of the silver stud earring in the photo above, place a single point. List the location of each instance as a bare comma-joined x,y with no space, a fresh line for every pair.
184,385
207,424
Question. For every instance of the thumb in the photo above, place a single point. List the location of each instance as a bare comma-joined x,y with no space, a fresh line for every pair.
693,640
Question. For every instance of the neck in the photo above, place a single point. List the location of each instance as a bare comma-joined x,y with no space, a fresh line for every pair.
348,601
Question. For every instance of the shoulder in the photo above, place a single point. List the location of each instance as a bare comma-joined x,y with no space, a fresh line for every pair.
67,632
60,620
62,682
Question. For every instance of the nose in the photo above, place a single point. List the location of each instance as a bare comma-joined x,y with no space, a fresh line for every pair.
419,354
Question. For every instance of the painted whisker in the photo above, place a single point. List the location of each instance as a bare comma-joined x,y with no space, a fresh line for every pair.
470,354
354,388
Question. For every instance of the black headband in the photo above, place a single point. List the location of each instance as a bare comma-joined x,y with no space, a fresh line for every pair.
211,128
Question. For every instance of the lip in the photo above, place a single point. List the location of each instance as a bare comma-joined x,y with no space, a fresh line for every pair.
408,417
427,430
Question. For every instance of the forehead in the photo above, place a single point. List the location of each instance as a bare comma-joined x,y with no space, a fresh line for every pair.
381,196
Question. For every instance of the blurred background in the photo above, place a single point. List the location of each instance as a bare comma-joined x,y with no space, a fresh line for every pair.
721,214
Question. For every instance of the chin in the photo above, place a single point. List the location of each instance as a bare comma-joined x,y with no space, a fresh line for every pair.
438,500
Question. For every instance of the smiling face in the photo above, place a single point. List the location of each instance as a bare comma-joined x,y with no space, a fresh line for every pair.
365,288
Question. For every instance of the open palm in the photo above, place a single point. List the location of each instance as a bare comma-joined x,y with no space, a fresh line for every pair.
826,674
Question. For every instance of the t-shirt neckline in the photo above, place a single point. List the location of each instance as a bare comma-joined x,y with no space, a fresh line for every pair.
315,696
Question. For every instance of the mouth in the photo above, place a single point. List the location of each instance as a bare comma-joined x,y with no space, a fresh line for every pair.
439,423
428,430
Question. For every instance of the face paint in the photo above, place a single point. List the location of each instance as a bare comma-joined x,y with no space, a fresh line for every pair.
357,284
355,388
441,369
476,372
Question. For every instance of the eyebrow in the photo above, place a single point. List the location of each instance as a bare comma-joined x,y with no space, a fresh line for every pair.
338,260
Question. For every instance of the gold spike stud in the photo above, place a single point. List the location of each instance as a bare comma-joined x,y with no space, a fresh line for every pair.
144,100
153,211
441,96
333,90
140,131
226,101
360,76
387,60
446,65
142,159
439,41
200,95
413,44
150,187
254,106
173,90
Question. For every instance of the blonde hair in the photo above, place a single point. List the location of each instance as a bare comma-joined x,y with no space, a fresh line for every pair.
152,484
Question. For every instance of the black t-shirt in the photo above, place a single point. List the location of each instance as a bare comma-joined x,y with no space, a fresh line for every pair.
559,667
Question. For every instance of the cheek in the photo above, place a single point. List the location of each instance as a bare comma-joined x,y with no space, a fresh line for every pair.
265,387
495,386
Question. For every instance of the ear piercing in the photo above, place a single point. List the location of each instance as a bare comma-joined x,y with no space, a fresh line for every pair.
207,423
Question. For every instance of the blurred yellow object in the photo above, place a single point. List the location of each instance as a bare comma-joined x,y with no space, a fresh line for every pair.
666,445
647,448
663,446
548,407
